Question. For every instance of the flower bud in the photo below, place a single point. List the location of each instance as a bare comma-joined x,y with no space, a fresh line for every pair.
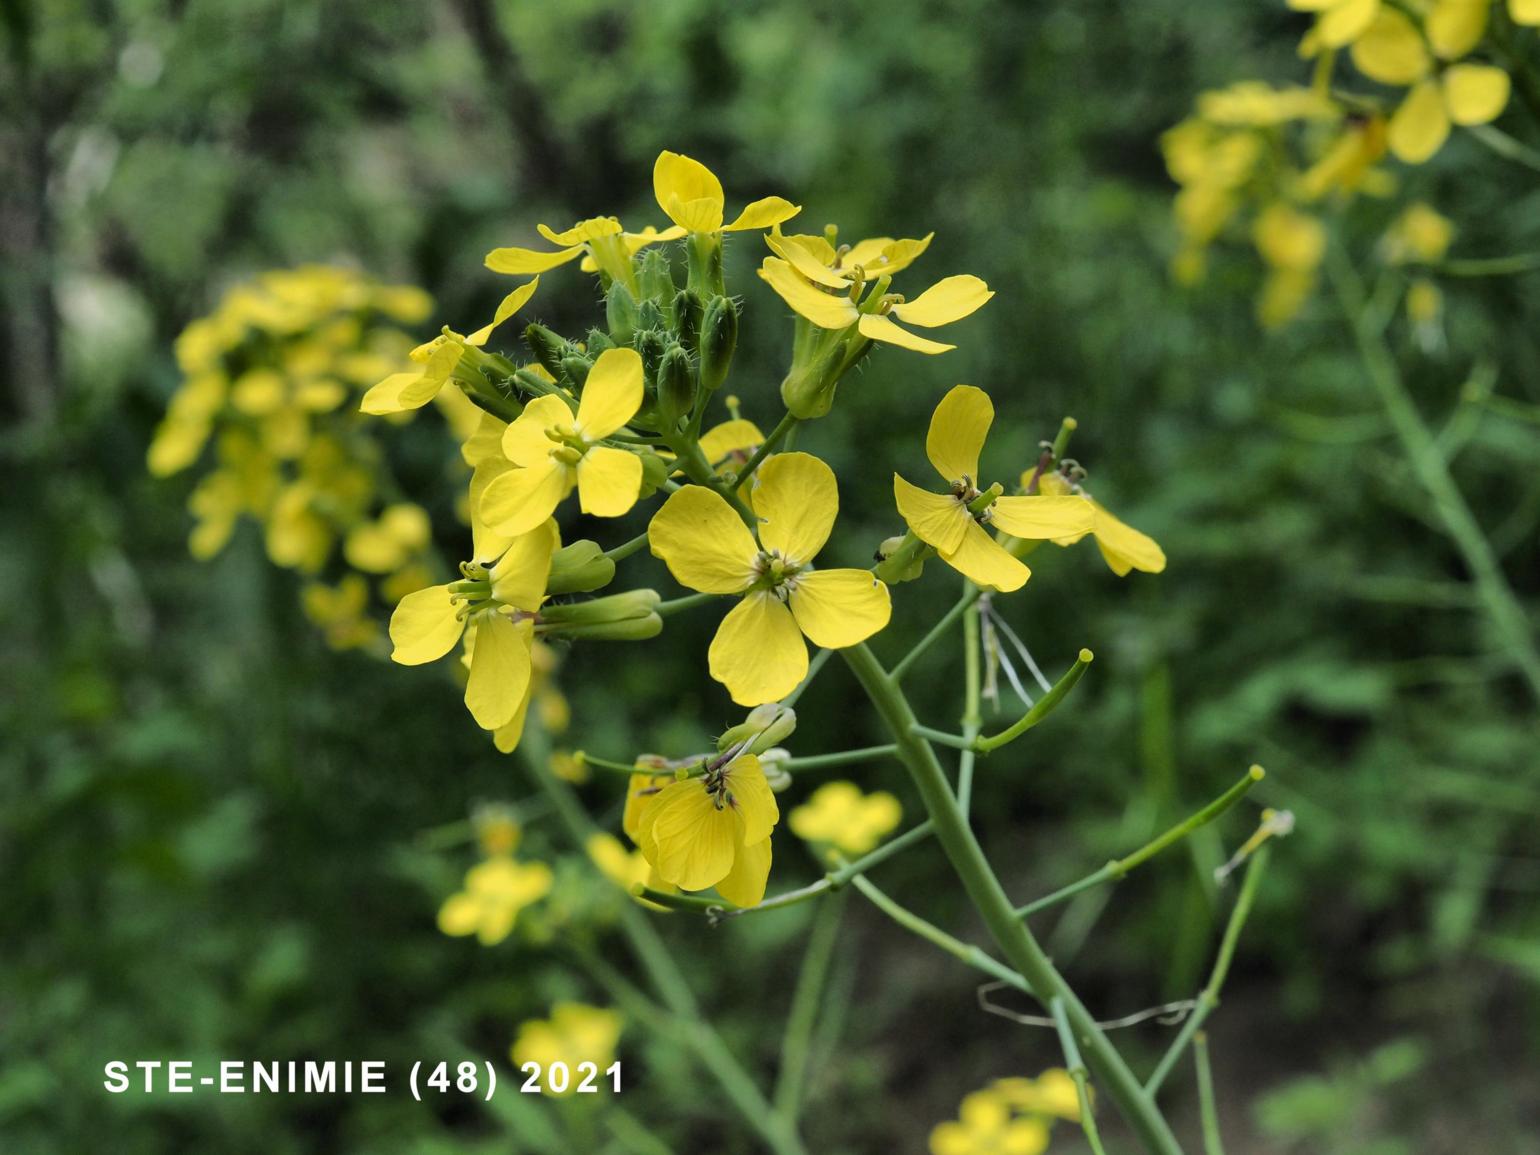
651,345
623,617
676,386
688,308
575,367
809,391
598,341
718,340
656,280
580,567
620,312
901,559
763,728
655,472
548,347
773,763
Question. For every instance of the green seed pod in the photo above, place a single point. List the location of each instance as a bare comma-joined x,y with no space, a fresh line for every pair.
676,386
718,340
620,312
580,567
629,616
688,308
547,346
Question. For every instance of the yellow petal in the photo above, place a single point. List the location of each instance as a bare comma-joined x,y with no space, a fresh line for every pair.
523,262
590,230
751,795
801,258
460,914
524,441
1526,12
1036,518
487,545
758,652
875,328
499,669
506,737
1454,27
609,481
703,542
1421,125
937,519
957,431
400,392
984,561
518,500
744,884
612,393
948,300
1345,22
519,577
895,255
687,839
836,608
796,500
424,627
762,214
1124,548
641,790
736,436
1475,93
511,304
1392,50
690,189
807,300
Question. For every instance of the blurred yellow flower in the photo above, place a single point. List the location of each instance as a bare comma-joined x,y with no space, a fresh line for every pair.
388,542
713,830
575,1033
341,611
985,1126
1051,1093
1292,244
1421,235
556,451
958,428
494,893
840,816
758,652
691,196
497,829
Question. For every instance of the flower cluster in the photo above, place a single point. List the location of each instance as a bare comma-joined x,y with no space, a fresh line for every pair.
1011,1116
270,384
1271,162
576,1033
498,887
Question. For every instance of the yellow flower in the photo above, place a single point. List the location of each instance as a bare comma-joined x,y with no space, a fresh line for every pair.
494,893
1338,23
1122,546
691,196
641,789
944,521
1421,235
556,451
838,268
341,611
1051,1093
439,359
985,1127
731,442
497,829
625,868
574,1034
713,830
600,241
499,602
386,544
1393,51
569,767
1525,12
1255,104
847,820
949,299
758,652
1292,244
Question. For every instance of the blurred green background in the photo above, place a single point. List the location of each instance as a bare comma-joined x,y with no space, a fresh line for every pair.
212,827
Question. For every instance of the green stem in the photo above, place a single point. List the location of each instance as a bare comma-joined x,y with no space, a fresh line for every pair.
962,951
785,426
820,659
948,620
626,549
843,758
598,763
846,873
690,601
1040,709
1212,1143
1506,146
1077,1071
803,1016
972,721
1208,998
1020,947
1507,615
1487,266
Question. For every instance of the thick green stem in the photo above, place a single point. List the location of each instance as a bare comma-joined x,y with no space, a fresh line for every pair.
1020,947
1509,620
785,426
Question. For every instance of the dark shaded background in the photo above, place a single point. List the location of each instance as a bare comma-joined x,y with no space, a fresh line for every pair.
211,826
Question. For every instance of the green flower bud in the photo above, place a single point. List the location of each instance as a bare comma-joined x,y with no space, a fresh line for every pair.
688,308
650,343
763,728
548,347
626,617
575,367
620,312
598,341
656,278
531,382
901,559
655,472
580,567
773,763
649,315
676,386
809,391
718,340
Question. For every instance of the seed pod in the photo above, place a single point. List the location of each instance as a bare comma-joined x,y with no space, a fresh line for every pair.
718,340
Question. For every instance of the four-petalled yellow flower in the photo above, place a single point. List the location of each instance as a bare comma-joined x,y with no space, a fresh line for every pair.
713,830
691,195
758,652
